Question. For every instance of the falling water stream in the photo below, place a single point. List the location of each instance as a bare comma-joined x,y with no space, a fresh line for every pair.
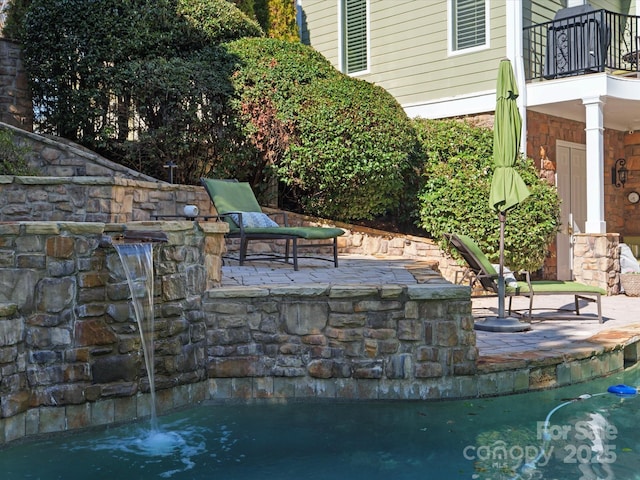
137,261
178,443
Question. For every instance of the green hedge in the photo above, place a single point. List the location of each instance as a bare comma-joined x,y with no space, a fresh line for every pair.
342,146
455,196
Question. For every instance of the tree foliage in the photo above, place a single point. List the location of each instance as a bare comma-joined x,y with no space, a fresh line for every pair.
343,147
276,17
13,159
141,81
455,195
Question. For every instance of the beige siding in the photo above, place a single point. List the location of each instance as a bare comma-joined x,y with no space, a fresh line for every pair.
409,48
540,11
618,6
320,27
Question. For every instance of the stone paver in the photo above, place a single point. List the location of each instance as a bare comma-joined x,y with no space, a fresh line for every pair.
553,333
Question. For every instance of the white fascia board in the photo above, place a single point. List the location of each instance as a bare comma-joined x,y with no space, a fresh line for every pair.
585,86
475,103
624,88
566,89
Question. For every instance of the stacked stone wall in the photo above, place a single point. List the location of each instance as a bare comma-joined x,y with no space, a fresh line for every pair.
15,96
344,342
93,199
600,261
69,341
70,349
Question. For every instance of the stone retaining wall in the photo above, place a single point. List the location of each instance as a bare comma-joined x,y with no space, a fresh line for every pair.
70,350
68,335
93,199
345,342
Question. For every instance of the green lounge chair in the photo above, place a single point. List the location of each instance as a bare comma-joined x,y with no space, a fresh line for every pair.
237,205
480,270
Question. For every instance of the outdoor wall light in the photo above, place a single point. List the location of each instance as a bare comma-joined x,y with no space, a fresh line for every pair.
619,173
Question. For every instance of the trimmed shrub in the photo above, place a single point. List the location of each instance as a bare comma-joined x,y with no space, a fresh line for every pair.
342,146
455,195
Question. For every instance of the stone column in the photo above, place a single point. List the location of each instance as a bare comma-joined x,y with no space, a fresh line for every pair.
596,260
15,97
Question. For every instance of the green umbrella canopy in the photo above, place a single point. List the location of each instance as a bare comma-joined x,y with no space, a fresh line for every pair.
507,187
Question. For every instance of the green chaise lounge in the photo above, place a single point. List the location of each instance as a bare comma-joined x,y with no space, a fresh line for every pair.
236,203
480,270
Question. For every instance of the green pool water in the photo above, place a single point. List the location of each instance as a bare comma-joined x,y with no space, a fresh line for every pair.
593,438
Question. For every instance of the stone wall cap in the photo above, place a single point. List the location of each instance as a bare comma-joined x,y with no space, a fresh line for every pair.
309,289
237,292
41,228
438,292
214,227
346,291
9,228
82,227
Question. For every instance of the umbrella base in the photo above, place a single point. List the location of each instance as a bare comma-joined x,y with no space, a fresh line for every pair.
504,324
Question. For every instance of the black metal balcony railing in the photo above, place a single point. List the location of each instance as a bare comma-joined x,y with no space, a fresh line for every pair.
597,41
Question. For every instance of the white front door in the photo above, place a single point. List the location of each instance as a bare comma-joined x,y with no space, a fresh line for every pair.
571,180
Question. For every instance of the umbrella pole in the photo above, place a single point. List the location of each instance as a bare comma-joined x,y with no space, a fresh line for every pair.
501,323
502,216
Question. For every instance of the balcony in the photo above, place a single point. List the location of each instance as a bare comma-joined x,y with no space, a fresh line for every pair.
588,42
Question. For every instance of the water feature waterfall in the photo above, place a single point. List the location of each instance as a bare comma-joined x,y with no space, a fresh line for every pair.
183,444
137,261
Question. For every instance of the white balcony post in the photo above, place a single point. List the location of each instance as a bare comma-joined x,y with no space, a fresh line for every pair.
514,53
595,165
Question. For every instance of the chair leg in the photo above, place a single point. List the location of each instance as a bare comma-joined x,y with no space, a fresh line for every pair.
335,252
286,250
295,254
244,243
576,301
598,303
530,305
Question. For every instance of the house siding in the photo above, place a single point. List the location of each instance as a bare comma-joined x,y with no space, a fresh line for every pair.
541,11
320,27
408,41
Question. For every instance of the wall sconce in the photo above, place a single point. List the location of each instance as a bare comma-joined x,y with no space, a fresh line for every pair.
619,173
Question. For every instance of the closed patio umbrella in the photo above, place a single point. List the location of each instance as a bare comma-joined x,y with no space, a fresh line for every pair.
507,187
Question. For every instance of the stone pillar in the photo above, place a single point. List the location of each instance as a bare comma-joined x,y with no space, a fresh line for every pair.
596,260
16,107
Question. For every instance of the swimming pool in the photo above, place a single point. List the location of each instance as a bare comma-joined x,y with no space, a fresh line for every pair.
494,438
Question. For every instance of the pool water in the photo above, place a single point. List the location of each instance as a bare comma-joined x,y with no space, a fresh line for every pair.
496,438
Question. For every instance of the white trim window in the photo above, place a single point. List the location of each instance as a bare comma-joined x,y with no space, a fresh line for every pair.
468,25
354,36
